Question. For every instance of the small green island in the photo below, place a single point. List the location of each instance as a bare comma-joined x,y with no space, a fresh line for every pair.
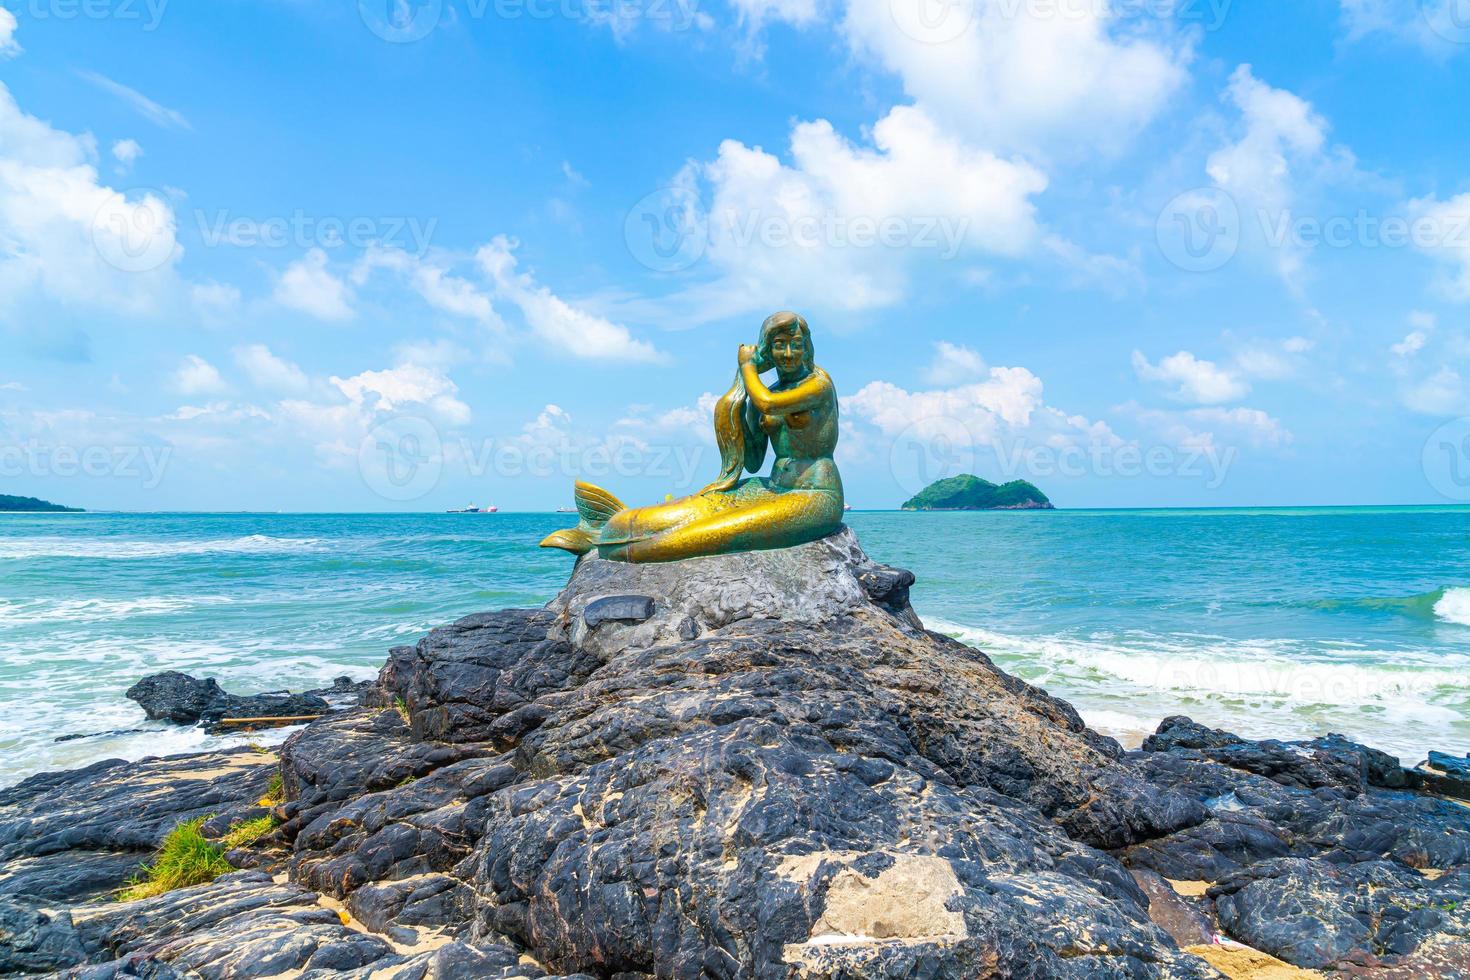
966,492
31,505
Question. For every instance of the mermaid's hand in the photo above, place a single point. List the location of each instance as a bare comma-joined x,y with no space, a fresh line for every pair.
747,354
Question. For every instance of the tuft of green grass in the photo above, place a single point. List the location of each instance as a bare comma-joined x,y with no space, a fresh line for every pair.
275,792
247,832
185,859
402,708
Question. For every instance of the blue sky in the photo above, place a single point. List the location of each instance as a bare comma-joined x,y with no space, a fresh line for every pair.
407,254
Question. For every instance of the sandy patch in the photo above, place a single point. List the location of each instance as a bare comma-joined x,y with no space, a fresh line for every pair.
1190,889
1243,963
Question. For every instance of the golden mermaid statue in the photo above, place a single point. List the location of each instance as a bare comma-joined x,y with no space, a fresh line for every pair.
800,502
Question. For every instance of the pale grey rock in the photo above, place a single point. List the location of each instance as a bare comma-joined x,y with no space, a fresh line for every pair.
808,584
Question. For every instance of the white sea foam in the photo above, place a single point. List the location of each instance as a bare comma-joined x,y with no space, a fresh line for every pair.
1129,729
60,546
1400,700
28,612
1454,606
1218,666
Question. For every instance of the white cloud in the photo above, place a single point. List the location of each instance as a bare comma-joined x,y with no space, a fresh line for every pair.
1445,237
1272,360
144,106
69,238
1220,431
433,282
1279,127
196,376
1021,76
1281,148
126,152
841,224
405,385
1412,343
1193,380
1437,26
218,412
9,46
309,286
952,364
214,299
695,420
267,370
1255,426
1442,393
553,319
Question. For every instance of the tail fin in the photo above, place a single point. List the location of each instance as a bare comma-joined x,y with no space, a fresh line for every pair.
595,507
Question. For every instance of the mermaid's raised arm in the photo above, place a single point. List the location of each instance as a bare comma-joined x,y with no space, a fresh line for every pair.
804,397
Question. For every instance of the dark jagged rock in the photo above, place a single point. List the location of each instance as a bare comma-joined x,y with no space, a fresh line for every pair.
1318,915
184,700
770,771
1450,764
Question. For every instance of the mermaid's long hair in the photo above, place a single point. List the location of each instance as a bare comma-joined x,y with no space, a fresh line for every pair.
738,432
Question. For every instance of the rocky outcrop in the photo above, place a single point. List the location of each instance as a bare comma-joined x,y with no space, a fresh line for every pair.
746,766
176,697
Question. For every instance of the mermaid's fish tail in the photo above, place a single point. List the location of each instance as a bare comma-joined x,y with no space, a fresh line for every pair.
595,507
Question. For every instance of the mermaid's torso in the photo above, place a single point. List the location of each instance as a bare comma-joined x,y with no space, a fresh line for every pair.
801,501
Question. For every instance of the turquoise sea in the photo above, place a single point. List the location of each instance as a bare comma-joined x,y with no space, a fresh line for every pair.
1284,622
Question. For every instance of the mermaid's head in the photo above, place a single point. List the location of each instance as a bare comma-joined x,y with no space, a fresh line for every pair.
786,345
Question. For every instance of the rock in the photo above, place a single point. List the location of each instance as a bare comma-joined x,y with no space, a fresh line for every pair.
617,609
1450,765
811,583
1310,765
740,767
115,806
184,700
34,940
1319,915
1184,921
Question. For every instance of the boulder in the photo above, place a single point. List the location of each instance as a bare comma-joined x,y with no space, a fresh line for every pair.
740,767
184,700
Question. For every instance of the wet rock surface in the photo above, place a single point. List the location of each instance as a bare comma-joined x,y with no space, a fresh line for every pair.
184,700
750,766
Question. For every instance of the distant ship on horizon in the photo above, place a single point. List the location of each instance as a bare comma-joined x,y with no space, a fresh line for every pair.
472,509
